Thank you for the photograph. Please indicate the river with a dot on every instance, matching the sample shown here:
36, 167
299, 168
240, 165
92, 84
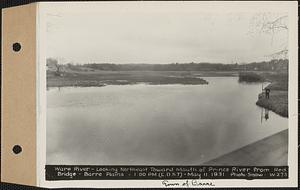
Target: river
155, 124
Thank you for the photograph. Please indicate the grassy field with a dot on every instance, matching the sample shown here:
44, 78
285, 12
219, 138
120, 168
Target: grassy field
102, 78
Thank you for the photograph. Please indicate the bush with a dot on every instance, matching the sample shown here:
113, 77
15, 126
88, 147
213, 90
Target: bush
250, 77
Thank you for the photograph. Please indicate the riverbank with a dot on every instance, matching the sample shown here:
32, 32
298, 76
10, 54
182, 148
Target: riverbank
270, 151
278, 97
278, 102
102, 78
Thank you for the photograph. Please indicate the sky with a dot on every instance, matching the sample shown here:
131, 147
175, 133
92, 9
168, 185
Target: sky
156, 34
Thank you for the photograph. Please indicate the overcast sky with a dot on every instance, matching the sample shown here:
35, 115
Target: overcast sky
159, 34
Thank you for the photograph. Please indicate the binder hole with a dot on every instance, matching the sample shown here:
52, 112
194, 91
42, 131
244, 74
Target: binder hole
17, 149
16, 47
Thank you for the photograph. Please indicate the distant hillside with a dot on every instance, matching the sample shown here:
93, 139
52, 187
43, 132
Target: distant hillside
273, 65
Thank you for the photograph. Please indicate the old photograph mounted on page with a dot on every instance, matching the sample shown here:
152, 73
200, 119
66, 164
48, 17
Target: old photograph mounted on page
168, 94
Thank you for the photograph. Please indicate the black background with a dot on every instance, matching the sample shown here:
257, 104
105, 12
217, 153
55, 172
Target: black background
7, 186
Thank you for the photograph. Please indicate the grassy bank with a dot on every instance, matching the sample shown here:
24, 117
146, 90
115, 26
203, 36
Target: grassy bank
102, 78
278, 101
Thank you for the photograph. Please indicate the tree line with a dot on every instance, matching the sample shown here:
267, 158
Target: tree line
275, 64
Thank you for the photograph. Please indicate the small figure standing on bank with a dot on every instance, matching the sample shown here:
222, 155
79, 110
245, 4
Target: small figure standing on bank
267, 93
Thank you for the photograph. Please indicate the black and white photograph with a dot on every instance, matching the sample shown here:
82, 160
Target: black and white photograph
166, 84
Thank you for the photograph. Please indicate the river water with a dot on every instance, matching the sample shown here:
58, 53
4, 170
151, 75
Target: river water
155, 124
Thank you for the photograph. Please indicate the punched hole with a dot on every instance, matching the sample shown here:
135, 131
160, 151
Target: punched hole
17, 149
16, 47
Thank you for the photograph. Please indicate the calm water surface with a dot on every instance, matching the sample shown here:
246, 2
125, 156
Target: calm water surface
155, 124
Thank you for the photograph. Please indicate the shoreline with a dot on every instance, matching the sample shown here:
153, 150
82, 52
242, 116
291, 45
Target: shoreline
278, 100
269, 151
278, 90
122, 78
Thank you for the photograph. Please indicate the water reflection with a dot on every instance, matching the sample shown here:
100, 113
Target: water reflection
264, 114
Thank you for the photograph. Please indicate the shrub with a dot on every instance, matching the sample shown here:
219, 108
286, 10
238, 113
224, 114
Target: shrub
250, 77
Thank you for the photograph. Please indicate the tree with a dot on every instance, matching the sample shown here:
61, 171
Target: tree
51, 62
272, 24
